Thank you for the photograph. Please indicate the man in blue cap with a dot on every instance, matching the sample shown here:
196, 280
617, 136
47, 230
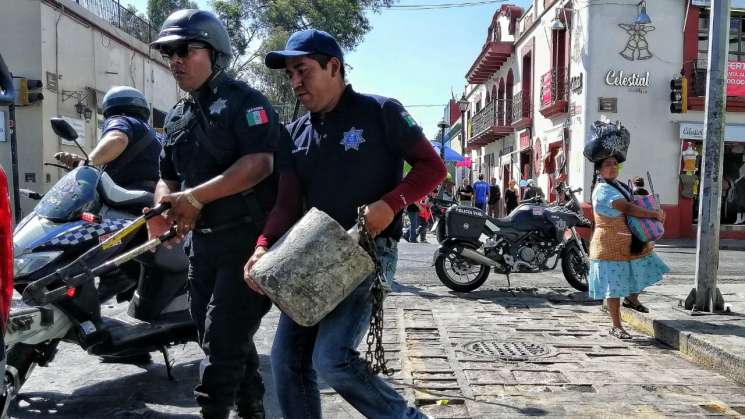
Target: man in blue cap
347, 152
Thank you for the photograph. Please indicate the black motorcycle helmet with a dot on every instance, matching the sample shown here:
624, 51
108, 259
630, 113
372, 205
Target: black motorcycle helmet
197, 25
125, 100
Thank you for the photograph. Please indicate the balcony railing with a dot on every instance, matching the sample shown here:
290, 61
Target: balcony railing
496, 114
485, 119
520, 107
115, 14
554, 91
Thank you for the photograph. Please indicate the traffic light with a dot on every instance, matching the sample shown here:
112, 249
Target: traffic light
28, 91
679, 95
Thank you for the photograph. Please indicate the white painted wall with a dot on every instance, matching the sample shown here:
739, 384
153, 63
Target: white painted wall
93, 56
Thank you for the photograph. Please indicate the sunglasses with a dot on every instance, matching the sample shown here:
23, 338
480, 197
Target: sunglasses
181, 50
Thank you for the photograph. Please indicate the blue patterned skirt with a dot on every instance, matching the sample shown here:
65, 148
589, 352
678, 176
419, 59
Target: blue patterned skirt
612, 279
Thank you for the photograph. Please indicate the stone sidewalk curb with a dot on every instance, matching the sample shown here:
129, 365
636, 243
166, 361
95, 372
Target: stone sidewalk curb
694, 345
724, 244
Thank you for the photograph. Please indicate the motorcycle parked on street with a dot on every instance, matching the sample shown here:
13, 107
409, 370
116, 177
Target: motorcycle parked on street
81, 246
533, 238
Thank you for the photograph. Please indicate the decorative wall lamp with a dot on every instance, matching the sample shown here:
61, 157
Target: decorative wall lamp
643, 18
81, 108
556, 24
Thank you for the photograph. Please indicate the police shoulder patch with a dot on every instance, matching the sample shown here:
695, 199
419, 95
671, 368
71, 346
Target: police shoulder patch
257, 116
409, 120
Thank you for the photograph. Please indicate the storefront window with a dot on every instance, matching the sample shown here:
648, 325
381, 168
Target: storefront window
736, 38
733, 179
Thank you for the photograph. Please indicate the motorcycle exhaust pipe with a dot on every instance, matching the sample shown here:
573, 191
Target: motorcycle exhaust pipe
477, 257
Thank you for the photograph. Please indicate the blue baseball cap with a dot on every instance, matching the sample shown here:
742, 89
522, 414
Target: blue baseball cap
309, 41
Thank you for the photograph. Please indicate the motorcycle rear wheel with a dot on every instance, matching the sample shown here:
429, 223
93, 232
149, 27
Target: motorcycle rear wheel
451, 267
575, 270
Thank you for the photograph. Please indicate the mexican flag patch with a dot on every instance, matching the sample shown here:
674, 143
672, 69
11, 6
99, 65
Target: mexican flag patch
256, 116
409, 120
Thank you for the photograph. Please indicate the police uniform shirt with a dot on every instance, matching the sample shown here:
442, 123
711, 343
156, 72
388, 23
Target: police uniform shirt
351, 156
236, 120
142, 169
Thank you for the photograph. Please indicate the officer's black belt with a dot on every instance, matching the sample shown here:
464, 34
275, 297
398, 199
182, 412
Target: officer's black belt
223, 227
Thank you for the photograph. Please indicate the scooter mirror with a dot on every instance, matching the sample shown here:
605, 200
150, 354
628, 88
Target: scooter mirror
28, 193
63, 129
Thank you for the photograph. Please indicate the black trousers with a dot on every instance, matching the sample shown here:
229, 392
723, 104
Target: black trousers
228, 314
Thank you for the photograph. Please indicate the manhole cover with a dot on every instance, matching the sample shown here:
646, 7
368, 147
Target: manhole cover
511, 351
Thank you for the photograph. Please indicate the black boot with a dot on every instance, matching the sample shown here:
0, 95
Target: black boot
253, 409
215, 413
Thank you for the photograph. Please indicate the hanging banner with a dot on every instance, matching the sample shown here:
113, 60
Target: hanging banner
735, 78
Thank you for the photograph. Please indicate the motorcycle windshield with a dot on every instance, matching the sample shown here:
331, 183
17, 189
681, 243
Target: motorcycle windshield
73, 195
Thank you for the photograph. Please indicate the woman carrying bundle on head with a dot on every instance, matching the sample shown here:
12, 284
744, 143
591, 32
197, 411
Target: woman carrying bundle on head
621, 265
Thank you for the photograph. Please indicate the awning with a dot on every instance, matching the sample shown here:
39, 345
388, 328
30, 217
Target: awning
450, 154
695, 131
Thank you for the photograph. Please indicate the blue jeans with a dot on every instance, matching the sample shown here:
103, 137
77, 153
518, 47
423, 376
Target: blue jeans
301, 354
413, 226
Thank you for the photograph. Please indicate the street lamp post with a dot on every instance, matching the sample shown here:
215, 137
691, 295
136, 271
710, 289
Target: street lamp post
442, 125
463, 107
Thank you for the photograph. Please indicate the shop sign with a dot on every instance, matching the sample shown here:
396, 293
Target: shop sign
695, 131
524, 140
637, 46
735, 78
608, 104
575, 83
622, 79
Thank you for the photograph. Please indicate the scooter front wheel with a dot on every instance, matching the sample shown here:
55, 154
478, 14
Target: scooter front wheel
458, 273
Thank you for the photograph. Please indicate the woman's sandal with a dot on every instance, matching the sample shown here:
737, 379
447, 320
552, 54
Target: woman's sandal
619, 333
635, 306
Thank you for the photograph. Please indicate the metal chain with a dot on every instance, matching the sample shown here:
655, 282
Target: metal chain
375, 355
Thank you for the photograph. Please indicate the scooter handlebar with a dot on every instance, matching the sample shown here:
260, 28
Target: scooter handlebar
158, 210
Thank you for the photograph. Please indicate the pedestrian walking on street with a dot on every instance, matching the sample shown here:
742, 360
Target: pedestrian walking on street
510, 198
425, 217
412, 211
480, 193
364, 140
495, 195
216, 171
465, 193
621, 266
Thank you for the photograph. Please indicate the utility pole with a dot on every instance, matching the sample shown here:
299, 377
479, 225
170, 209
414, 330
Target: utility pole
706, 297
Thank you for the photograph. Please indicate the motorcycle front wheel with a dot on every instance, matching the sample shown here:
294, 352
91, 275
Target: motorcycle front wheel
575, 270
458, 273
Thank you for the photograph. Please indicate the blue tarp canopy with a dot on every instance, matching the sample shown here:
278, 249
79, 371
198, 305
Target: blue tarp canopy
450, 154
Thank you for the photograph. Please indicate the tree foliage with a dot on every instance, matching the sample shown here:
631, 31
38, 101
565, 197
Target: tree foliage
259, 26
158, 10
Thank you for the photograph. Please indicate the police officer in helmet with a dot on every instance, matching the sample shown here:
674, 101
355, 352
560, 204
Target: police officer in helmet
216, 171
128, 145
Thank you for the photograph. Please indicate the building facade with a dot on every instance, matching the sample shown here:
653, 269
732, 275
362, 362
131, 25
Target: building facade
546, 73
78, 49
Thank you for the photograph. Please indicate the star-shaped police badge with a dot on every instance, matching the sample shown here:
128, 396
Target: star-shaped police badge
217, 106
352, 139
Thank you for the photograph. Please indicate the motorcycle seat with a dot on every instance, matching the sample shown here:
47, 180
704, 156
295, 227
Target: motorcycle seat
502, 222
116, 196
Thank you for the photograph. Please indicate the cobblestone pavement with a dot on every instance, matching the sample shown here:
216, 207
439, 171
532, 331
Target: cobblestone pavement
537, 349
